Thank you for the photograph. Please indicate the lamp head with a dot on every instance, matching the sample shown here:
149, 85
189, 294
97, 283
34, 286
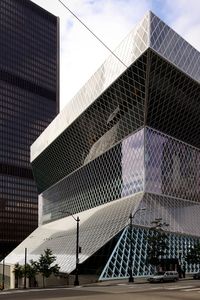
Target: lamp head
143, 208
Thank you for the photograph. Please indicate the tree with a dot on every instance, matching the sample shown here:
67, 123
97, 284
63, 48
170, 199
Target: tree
44, 265
18, 271
31, 272
157, 243
193, 256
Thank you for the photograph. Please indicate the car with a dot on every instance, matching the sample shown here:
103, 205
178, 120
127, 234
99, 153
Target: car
164, 276
196, 275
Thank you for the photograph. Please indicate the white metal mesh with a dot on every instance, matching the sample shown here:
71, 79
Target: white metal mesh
97, 226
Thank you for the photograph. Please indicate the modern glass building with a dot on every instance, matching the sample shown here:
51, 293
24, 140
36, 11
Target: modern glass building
28, 103
129, 139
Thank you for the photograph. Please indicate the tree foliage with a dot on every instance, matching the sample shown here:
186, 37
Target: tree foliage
193, 256
19, 272
157, 243
31, 272
44, 264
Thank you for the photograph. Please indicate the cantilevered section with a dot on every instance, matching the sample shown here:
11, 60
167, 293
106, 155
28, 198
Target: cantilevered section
150, 85
170, 45
117, 101
150, 33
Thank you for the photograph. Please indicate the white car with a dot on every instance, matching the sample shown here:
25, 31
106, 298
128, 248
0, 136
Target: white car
164, 276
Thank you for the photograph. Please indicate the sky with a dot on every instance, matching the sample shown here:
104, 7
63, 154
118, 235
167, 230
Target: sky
111, 20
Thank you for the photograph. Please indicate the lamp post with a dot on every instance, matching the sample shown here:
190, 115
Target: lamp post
76, 281
131, 278
180, 263
25, 266
3, 275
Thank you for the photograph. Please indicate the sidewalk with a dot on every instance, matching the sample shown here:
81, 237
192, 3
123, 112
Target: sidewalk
137, 280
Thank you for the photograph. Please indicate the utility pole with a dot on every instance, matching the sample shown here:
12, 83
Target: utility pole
25, 263
76, 282
3, 275
131, 279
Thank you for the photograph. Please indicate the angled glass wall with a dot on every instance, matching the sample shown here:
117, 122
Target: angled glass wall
173, 101
165, 41
118, 112
117, 173
117, 266
171, 166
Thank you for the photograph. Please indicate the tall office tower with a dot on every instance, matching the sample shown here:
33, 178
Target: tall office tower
128, 140
28, 103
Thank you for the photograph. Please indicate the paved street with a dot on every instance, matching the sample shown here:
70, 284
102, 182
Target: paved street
189, 289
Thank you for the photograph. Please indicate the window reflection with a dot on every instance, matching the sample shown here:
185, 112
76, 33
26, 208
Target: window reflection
172, 167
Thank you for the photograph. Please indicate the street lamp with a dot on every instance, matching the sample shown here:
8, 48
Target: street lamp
3, 275
180, 252
76, 281
25, 266
131, 279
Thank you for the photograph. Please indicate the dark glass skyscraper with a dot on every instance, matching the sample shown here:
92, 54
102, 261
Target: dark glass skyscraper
28, 103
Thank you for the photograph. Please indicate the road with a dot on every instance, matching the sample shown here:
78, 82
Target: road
189, 289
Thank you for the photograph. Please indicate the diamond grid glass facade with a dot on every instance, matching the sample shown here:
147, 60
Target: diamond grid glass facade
133, 142
108, 120
172, 167
165, 41
173, 104
117, 173
28, 103
118, 263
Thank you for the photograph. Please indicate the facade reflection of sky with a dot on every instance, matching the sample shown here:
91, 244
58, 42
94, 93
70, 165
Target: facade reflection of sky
133, 164
172, 167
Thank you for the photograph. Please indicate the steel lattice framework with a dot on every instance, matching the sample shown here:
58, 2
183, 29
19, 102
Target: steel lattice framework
118, 263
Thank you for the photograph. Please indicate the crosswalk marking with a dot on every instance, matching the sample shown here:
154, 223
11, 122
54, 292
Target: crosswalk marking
189, 290
27, 291
179, 287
